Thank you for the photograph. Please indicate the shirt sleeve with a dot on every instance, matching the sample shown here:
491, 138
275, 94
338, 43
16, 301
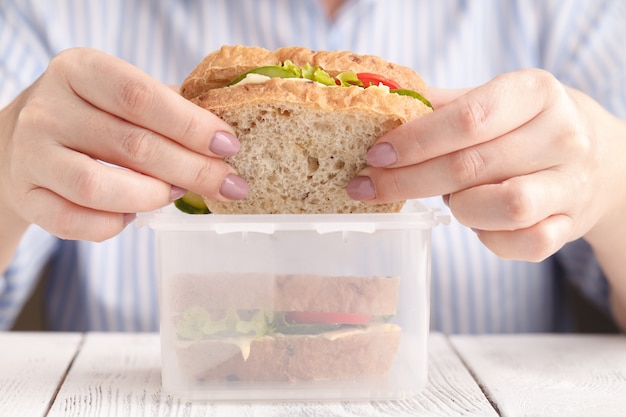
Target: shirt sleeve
593, 58
579, 265
24, 50
586, 51
23, 57
20, 278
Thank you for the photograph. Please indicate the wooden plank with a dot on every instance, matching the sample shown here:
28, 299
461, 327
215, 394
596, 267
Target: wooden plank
32, 367
114, 374
119, 374
550, 375
451, 389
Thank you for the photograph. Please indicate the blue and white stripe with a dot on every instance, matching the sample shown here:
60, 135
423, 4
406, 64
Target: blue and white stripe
452, 43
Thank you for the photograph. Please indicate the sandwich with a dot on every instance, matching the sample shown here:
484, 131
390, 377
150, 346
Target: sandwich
305, 121
263, 327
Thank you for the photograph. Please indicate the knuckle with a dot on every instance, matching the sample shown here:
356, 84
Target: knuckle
190, 128
574, 138
61, 62
89, 185
519, 204
473, 116
203, 174
35, 113
138, 145
533, 78
575, 141
205, 177
536, 75
68, 61
394, 188
419, 151
135, 97
541, 83
466, 167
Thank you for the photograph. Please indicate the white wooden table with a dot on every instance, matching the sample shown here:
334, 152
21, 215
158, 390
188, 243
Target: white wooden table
114, 374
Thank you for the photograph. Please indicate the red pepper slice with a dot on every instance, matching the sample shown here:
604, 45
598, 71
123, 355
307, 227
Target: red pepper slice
369, 79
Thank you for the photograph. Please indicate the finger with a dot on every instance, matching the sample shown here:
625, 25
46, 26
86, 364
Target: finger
116, 141
486, 163
534, 243
517, 203
439, 97
90, 183
482, 114
67, 220
125, 91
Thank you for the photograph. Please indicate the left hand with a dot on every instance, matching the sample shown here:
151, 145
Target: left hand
526, 162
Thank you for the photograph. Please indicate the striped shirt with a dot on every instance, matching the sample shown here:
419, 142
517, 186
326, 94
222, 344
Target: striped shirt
452, 43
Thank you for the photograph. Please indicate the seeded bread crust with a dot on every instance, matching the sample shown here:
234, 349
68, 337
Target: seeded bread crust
221, 67
301, 142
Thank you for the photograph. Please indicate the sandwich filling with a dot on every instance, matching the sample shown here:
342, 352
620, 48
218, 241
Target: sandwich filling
316, 74
241, 327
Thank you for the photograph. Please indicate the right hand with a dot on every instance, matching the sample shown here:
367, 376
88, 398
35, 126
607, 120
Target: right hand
95, 140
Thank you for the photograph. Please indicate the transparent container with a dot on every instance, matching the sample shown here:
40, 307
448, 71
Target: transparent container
294, 307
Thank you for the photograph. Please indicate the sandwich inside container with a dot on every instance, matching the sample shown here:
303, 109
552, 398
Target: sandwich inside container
230, 286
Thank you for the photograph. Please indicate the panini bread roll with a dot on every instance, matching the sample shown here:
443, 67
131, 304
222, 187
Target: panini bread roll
303, 139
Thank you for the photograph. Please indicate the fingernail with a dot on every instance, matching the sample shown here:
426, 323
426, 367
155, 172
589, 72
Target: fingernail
129, 218
224, 144
382, 155
176, 193
234, 187
361, 188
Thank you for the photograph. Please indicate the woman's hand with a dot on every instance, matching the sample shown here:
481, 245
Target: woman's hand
526, 162
95, 140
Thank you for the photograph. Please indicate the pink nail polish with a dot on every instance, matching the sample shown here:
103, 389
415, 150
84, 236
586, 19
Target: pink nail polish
234, 187
129, 218
382, 155
224, 144
176, 193
361, 188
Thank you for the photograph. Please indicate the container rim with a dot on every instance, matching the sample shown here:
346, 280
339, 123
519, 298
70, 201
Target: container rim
414, 215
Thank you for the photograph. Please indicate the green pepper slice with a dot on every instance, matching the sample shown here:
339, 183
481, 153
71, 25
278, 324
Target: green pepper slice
191, 203
413, 94
272, 71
